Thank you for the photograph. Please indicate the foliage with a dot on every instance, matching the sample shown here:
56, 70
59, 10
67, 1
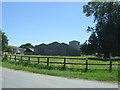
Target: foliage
91, 46
4, 41
84, 48
93, 43
91, 75
0, 42
60, 66
107, 18
57, 70
9, 49
5, 58
26, 46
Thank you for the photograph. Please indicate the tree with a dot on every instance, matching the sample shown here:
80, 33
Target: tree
84, 48
93, 44
9, 49
0, 42
3, 41
26, 46
107, 17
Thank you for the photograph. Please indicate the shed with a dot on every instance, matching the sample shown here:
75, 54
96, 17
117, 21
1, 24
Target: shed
29, 51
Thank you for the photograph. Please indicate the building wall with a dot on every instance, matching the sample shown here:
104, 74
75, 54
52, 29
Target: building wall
18, 50
55, 48
29, 51
75, 45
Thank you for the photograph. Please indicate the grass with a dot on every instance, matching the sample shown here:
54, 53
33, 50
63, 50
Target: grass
114, 67
58, 71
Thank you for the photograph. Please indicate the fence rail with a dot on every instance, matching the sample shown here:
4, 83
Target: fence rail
48, 62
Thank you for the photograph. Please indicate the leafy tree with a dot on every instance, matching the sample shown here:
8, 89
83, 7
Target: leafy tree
107, 17
0, 42
27, 45
84, 48
9, 49
93, 44
3, 41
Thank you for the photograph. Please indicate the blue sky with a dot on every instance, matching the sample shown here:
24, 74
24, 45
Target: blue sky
44, 22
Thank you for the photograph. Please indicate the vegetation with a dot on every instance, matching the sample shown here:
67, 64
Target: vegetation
0, 42
26, 46
5, 58
9, 49
103, 40
4, 41
59, 62
58, 71
105, 35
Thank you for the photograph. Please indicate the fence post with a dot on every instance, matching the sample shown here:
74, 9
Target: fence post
110, 69
10, 57
38, 60
21, 58
86, 65
15, 57
47, 61
28, 59
64, 63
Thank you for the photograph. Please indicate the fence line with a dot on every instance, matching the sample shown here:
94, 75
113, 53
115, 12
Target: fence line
64, 61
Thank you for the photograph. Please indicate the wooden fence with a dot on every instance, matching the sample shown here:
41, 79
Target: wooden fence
39, 61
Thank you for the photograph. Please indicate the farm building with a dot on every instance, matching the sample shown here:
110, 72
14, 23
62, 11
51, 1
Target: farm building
29, 51
56, 48
17, 50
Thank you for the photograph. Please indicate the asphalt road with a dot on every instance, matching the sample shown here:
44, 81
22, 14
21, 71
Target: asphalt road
21, 79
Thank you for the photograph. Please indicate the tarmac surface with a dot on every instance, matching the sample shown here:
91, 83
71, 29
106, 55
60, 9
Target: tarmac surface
21, 79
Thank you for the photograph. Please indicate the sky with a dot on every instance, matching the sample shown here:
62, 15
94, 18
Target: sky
0, 15
45, 22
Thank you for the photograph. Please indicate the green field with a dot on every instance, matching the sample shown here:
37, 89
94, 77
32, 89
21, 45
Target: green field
74, 66
58, 70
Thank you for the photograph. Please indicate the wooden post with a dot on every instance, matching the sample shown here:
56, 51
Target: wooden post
64, 63
28, 59
15, 57
38, 60
47, 61
110, 69
21, 58
10, 57
86, 66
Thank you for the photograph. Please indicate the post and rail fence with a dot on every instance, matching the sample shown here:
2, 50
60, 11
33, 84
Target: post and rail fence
38, 60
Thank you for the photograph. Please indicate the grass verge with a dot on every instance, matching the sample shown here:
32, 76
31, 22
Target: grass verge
90, 75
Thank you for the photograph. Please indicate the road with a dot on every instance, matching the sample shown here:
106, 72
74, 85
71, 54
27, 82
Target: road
21, 79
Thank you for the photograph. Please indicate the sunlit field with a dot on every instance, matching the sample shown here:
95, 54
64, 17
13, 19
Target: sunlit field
70, 63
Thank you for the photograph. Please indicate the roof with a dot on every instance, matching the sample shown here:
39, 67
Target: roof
29, 50
17, 48
75, 41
